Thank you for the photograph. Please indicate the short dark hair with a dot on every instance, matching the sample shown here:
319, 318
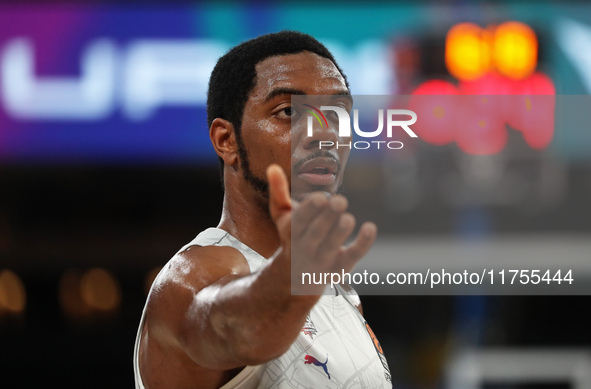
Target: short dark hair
234, 75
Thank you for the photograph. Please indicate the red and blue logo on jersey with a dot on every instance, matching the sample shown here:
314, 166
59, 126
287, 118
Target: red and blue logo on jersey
310, 360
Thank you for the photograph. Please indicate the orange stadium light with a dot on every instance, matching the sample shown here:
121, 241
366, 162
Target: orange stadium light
100, 290
511, 49
515, 50
467, 51
498, 86
13, 297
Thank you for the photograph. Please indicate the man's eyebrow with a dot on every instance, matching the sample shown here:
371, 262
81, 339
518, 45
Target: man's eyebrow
343, 93
290, 91
283, 91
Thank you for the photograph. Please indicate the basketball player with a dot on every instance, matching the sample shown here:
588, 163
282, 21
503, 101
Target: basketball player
221, 313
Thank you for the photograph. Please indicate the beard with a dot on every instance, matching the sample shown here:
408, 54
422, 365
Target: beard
260, 185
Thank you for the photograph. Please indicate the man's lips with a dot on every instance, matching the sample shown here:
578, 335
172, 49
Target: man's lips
320, 171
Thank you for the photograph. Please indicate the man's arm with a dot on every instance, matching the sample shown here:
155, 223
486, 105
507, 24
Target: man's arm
208, 305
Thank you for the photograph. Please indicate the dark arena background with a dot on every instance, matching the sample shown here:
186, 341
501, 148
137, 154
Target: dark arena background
106, 170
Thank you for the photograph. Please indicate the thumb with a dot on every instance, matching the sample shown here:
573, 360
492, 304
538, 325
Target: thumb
279, 197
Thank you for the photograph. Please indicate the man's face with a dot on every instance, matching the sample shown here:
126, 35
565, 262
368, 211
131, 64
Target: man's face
267, 134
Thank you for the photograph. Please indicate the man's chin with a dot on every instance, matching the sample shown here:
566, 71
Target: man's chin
301, 195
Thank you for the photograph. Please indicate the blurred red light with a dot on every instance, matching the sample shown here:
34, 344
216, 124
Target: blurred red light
436, 112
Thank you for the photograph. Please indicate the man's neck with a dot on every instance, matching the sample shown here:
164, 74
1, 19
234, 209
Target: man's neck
248, 220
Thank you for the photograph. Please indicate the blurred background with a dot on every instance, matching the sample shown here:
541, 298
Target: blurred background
106, 170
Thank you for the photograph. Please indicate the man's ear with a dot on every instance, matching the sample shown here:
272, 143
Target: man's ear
223, 138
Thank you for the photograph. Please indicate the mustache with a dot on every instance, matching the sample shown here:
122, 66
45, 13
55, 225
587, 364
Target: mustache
316, 154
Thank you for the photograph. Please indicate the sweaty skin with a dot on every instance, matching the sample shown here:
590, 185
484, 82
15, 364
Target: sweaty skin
207, 315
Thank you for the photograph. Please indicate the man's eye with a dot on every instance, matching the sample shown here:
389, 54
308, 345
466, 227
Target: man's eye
287, 112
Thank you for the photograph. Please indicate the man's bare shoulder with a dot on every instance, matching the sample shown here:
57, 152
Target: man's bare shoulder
200, 266
211, 262
185, 275
175, 311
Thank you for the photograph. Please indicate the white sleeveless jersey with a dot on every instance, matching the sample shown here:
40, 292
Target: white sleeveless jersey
335, 348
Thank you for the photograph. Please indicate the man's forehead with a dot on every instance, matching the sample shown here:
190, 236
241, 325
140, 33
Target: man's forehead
282, 69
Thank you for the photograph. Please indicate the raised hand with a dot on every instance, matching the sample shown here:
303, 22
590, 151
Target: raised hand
314, 232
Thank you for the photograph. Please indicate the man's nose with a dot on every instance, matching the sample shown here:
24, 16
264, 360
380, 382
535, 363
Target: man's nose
327, 135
